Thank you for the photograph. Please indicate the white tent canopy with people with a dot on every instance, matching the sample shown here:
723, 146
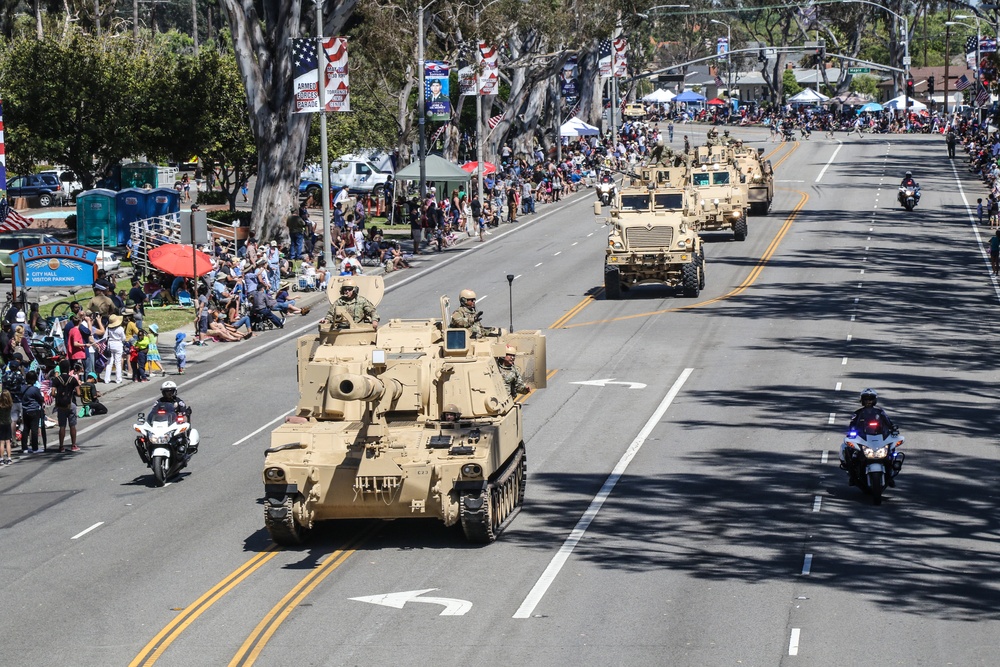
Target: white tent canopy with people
659, 96
575, 127
808, 96
898, 102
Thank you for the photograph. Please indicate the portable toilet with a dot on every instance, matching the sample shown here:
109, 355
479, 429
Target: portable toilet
96, 218
162, 201
132, 204
139, 175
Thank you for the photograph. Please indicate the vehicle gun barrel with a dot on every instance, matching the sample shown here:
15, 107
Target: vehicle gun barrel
354, 387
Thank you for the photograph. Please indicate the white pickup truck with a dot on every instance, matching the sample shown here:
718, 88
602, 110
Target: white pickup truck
358, 175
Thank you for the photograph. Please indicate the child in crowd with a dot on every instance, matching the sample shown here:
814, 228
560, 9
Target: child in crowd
138, 357
180, 354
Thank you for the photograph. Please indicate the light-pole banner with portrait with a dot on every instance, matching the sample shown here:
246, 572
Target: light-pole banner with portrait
621, 57
721, 46
567, 80
488, 63
436, 90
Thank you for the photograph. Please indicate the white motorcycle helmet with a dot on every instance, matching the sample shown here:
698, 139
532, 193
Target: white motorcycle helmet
169, 391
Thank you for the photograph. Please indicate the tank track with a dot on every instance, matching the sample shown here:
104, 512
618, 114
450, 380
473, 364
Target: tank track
500, 502
282, 529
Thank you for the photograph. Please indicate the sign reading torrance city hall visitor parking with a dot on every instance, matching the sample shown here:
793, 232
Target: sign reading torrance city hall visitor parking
54, 265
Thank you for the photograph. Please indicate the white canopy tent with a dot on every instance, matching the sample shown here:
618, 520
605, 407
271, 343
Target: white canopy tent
575, 127
897, 103
659, 96
808, 96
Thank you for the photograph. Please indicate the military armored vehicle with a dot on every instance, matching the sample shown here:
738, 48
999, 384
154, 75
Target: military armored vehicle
652, 238
721, 191
412, 420
759, 176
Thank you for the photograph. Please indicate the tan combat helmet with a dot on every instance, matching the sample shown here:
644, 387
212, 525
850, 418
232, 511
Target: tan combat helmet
466, 295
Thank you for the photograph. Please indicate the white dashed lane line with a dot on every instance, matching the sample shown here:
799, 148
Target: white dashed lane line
825, 457
84, 532
843, 362
832, 418
573, 243
817, 503
849, 338
557, 254
538, 265
839, 385
807, 564
517, 276
793, 642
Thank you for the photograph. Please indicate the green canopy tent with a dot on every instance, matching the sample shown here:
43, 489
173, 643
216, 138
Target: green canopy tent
441, 173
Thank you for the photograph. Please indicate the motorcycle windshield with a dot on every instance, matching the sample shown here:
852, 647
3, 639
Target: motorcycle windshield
162, 412
871, 422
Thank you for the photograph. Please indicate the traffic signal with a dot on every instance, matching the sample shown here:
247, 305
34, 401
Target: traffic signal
930, 85
909, 86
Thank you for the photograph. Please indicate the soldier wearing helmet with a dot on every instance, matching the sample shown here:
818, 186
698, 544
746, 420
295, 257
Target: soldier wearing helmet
511, 373
451, 413
357, 307
466, 317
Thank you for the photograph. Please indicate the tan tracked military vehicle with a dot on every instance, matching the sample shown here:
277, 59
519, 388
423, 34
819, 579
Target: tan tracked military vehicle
759, 176
652, 238
720, 191
413, 420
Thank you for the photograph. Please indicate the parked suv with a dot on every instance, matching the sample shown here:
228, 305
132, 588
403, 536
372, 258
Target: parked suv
45, 188
12, 241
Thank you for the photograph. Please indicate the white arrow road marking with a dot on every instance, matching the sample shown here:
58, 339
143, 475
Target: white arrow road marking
606, 381
452, 606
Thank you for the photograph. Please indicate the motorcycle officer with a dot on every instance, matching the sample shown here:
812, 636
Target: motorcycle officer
908, 182
867, 412
168, 394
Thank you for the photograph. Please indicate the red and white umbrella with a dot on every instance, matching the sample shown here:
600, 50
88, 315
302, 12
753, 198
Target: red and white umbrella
488, 167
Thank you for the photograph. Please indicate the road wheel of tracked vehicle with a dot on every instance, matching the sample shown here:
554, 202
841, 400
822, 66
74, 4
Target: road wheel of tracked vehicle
612, 283
280, 523
485, 515
875, 486
159, 466
690, 280
740, 229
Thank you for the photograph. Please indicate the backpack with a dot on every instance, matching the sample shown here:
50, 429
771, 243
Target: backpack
13, 382
64, 391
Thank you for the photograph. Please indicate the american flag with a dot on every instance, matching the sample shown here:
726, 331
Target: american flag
970, 45
962, 83
495, 120
983, 97
10, 220
718, 80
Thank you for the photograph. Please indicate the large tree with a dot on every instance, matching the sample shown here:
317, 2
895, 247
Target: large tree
262, 33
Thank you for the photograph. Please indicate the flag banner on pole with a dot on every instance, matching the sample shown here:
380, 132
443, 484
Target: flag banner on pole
306, 82
987, 45
335, 79
495, 120
604, 57
467, 81
338, 89
10, 220
488, 63
962, 82
718, 81
721, 46
970, 52
620, 57
567, 80
436, 93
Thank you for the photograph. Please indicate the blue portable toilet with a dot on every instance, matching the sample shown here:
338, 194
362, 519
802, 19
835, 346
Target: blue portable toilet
96, 213
132, 204
162, 201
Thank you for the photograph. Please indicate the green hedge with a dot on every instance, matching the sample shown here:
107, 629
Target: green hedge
212, 197
228, 217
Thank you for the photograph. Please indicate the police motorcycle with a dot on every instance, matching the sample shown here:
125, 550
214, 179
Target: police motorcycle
870, 453
909, 193
166, 441
606, 188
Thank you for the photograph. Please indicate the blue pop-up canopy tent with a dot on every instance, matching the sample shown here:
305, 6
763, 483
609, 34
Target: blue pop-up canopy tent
689, 96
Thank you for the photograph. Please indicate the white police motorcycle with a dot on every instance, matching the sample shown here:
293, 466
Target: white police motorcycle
166, 441
870, 455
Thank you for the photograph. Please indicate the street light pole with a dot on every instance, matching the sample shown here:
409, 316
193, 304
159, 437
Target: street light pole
729, 58
422, 156
979, 38
324, 157
906, 49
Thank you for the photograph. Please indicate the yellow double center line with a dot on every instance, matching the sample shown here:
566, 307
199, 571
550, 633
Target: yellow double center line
254, 644
155, 648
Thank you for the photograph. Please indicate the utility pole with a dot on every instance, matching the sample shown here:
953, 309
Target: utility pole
324, 157
135, 19
947, 60
421, 103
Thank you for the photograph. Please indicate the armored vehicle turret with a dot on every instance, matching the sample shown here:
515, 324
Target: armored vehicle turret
412, 420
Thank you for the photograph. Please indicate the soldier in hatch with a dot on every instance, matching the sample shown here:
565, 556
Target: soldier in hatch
466, 317
358, 308
511, 373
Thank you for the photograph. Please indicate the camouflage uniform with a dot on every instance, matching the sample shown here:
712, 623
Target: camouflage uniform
359, 308
465, 318
512, 378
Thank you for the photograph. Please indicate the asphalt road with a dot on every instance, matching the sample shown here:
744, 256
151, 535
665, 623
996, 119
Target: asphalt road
693, 514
